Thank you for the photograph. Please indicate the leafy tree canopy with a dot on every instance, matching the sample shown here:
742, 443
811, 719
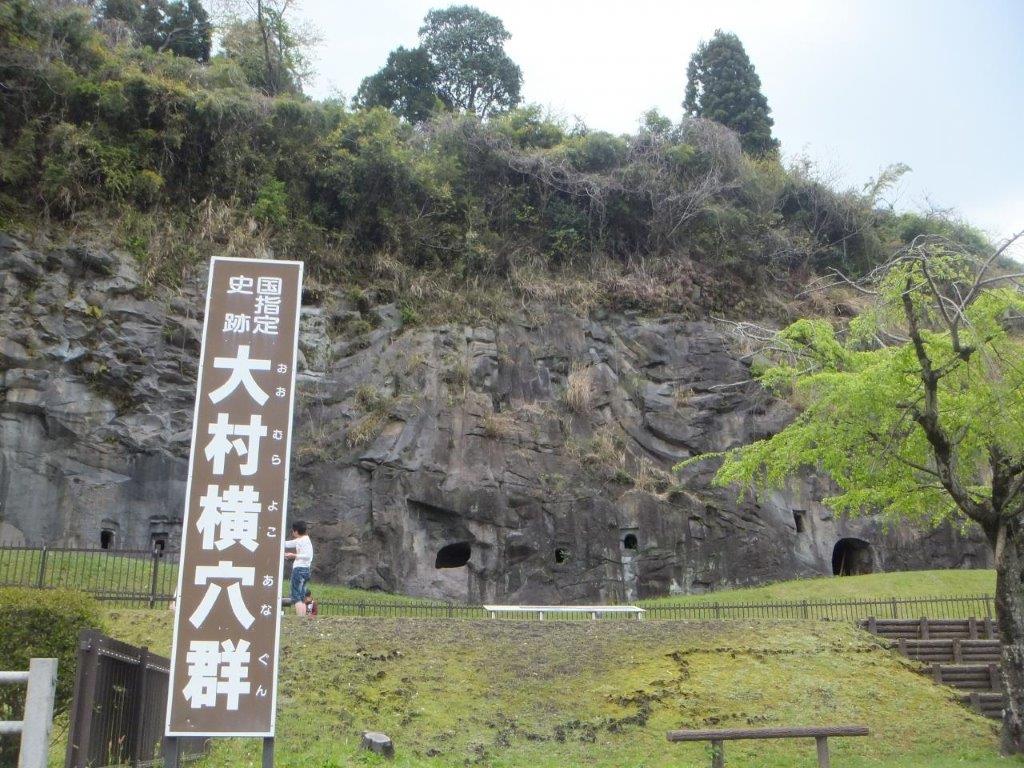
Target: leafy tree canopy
467, 47
916, 411
460, 64
723, 86
180, 26
406, 85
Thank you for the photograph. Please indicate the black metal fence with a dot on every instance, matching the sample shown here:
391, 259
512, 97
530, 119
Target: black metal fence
120, 700
149, 578
947, 607
126, 576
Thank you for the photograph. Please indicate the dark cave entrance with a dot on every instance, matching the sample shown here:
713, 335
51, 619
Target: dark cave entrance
852, 557
106, 539
800, 520
453, 555
630, 541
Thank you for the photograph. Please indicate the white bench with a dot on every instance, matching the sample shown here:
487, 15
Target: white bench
540, 610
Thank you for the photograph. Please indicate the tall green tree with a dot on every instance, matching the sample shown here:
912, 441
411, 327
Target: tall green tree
180, 26
407, 85
723, 86
467, 47
916, 411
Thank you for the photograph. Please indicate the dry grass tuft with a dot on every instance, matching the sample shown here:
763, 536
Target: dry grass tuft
498, 426
579, 389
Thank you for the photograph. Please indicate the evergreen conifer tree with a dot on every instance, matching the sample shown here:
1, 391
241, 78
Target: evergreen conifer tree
723, 86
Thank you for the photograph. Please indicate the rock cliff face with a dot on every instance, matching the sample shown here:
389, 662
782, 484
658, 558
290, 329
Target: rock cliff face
524, 461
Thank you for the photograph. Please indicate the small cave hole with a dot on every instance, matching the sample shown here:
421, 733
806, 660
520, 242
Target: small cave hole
561, 555
106, 539
453, 555
159, 542
630, 542
800, 520
852, 557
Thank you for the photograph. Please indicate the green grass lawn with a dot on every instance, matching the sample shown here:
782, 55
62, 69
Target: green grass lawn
900, 584
526, 694
93, 571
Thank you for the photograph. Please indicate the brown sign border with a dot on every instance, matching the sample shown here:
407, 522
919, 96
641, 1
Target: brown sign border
186, 521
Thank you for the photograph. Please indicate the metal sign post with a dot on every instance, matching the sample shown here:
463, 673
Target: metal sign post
223, 678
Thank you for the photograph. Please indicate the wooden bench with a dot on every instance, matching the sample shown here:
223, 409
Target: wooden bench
540, 610
820, 735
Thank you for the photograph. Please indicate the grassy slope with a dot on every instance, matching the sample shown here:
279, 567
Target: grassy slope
906, 584
592, 694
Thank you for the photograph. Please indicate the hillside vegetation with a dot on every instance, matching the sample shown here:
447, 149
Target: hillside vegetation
174, 159
592, 694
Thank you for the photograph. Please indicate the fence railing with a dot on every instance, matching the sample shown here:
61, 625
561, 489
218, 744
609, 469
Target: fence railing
149, 578
37, 718
947, 607
117, 712
127, 576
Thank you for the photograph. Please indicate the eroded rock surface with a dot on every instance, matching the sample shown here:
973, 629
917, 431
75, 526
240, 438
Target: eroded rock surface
530, 459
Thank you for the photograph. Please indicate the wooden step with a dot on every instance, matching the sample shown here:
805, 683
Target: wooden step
969, 677
932, 629
986, 704
951, 651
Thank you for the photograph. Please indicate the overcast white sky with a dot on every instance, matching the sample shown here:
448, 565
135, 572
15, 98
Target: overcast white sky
936, 84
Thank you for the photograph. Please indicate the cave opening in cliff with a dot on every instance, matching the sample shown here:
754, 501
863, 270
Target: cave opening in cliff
453, 555
106, 539
800, 520
630, 541
561, 555
851, 557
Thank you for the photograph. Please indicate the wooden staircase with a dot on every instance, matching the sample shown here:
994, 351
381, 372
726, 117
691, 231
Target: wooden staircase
962, 653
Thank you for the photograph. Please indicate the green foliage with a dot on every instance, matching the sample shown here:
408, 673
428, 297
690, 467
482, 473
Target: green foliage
42, 623
406, 86
723, 86
863, 404
163, 145
180, 26
271, 206
467, 48
270, 48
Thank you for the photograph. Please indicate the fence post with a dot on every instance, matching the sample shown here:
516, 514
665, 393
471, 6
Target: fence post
42, 568
35, 731
988, 606
892, 601
806, 611
80, 727
140, 715
152, 581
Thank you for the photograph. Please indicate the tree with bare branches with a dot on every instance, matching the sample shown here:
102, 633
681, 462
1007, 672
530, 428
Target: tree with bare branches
915, 410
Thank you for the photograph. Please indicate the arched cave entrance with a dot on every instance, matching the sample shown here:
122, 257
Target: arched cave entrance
561, 555
106, 539
453, 555
630, 541
851, 557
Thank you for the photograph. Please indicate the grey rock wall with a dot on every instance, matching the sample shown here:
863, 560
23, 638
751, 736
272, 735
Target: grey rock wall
532, 457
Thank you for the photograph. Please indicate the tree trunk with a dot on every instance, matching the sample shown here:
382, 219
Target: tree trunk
1009, 552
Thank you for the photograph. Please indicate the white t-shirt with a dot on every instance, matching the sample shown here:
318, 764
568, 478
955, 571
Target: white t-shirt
303, 551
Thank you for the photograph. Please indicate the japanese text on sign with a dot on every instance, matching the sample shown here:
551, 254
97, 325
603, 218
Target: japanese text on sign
224, 661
